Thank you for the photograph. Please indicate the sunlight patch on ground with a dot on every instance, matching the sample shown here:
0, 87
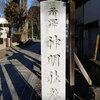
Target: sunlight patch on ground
10, 85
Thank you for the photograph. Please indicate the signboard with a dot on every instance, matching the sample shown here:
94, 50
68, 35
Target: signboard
53, 50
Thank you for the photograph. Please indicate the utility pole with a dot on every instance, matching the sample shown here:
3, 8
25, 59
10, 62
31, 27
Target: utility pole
97, 42
72, 41
32, 31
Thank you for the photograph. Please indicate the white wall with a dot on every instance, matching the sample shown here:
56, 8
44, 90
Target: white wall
3, 46
5, 30
3, 21
91, 11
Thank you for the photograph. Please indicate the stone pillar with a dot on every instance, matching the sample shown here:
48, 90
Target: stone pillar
53, 50
8, 42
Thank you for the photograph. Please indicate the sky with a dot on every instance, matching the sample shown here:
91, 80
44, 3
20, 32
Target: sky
29, 3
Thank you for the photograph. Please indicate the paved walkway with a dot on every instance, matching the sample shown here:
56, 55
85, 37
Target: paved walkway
20, 74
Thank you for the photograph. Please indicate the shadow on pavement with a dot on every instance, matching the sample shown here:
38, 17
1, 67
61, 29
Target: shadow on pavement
29, 46
26, 62
17, 81
4, 89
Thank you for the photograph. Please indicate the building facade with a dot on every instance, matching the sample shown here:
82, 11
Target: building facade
87, 28
91, 26
4, 29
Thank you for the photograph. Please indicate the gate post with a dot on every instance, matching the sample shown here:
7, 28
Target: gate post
53, 49
72, 41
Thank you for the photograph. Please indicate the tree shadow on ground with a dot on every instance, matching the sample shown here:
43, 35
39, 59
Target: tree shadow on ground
26, 62
22, 87
28, 56
17, 79
4, 89
29, 47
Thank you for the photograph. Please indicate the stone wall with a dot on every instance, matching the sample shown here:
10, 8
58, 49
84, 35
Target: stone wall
3, 45
7, 43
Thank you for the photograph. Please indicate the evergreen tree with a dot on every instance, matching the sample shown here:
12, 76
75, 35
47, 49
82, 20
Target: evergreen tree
34, 15
16, 14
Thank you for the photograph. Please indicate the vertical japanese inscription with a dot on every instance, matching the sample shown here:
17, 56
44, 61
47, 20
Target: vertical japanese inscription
54, 94
53, 22
53, 77
53, 59
53, 50
54, 41
53, 11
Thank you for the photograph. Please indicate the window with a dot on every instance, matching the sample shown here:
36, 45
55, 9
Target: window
0, 25
1, 41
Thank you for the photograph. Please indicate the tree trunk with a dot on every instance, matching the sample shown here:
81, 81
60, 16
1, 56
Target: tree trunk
24, 33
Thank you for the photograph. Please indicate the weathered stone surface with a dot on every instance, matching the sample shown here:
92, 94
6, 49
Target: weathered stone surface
96, 91
53, 49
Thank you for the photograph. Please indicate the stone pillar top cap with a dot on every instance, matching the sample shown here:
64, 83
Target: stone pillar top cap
51, 0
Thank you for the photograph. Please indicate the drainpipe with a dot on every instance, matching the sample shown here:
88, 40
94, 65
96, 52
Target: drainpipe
97, 42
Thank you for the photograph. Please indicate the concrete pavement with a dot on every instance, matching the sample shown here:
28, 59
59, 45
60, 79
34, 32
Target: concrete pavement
20, 74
